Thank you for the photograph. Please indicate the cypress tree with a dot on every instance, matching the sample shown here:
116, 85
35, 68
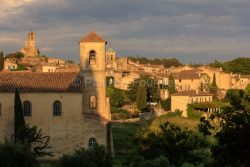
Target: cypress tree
19, 127
1, 60
171, 84
214, 88
214, 81
141, 98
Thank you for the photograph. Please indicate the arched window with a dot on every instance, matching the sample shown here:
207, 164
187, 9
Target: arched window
57, 108
92, 102
92, 143
27, 109
92, 57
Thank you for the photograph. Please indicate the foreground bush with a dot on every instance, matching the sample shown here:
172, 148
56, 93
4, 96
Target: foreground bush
96, 157
16, 155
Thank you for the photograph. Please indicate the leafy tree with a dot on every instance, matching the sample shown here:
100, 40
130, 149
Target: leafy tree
166, 62
16, 55
239, 65
230, 127
1, 61
16, 155
171, 84
139, 161
141, 97
116, 97
151, 87
87, 158
166, 104
179, 145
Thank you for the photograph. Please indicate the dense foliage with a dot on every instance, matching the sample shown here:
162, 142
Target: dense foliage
239, 65
232, 130
116, 97
139, 161
171, 84
166, 104
1, 60
178, 145
166, 62
87, 158
141, 98
16, 155
16, 55
150, 85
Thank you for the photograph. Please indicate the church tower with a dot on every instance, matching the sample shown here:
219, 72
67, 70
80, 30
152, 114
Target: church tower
29, 49
93, 72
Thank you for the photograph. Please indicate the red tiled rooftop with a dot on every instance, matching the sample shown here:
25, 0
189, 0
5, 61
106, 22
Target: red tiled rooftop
192, 93
92, 37
39, 82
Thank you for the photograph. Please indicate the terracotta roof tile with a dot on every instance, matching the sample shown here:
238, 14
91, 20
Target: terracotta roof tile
192, 93
39, 82
187, 74
92, 37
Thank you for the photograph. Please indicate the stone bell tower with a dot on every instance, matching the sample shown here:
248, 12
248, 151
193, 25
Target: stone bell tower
29, 49
93, 72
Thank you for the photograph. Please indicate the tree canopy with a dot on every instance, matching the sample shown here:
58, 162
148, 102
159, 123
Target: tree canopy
239, 65
230, 127
166, 62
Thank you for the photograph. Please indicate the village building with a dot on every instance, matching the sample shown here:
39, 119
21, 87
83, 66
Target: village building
180, 100
70, 107
191, 80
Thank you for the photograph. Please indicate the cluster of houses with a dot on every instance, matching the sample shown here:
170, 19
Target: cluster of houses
192, 84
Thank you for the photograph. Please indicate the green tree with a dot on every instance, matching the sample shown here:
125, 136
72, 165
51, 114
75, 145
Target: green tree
178, 145
166, 104
139, 161
116, 97
16, 155
213, 88
151, 87
1, 60
87, 158
171, 84
141, 97
230, 127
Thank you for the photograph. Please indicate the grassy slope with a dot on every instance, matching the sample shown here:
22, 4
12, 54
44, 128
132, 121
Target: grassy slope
124, 133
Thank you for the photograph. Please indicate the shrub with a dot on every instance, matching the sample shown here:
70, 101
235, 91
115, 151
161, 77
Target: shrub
16, 155
87, 158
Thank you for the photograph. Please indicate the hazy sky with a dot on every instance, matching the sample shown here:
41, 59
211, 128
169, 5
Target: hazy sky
190, 30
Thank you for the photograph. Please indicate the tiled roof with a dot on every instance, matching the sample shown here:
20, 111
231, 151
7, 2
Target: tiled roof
192, 93
39, 82
92, 37
187, 74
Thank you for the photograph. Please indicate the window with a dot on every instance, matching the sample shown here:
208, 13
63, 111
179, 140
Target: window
92, 102
92, 57
179, 80
27, 109
57, 108
92, 143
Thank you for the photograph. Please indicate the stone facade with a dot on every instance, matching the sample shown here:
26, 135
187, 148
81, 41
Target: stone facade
29, 49
180, 100
85, 110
